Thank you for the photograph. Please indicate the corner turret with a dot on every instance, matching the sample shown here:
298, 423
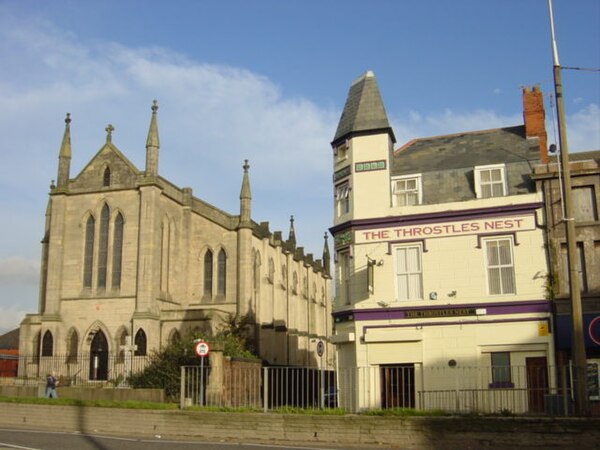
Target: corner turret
362, 148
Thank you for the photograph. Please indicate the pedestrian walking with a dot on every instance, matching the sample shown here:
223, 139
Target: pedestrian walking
51, 383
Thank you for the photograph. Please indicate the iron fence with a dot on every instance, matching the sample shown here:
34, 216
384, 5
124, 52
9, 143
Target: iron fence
531, 389
527, 389
81, 370
258, 387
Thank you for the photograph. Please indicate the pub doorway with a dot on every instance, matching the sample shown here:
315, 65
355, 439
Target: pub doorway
398, 386
537, 382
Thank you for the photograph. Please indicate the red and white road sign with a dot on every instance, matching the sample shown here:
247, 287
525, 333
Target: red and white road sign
202, 348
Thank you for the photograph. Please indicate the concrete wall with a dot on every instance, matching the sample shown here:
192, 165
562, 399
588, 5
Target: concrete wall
80, 393
347, 431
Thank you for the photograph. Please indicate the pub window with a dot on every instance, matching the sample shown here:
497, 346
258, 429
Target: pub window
490, 181
407, 190
500, 266
342, 198
501, 373
344, 277
409, 273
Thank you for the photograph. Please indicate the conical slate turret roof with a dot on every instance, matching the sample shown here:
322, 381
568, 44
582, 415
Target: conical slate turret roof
363, 111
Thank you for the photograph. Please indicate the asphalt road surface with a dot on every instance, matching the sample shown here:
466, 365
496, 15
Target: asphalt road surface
45, 440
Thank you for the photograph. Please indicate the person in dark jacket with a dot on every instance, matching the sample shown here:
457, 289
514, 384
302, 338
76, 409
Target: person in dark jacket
51, 383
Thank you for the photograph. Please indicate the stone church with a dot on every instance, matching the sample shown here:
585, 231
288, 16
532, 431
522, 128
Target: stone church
127, 256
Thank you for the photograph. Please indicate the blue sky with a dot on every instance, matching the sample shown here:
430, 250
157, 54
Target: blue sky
264, 81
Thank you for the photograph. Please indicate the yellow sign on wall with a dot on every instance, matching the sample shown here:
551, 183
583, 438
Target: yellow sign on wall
543, 329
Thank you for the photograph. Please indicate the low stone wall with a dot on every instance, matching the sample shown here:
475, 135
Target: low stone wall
345, 431
86, 393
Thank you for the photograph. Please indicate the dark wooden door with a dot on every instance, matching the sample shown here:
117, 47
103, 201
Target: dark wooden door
537, 382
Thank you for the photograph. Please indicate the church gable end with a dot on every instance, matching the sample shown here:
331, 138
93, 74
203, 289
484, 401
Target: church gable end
108, 169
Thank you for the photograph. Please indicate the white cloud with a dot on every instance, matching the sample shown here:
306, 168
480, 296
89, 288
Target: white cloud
10, 318
19, 271
583, 129
416, 125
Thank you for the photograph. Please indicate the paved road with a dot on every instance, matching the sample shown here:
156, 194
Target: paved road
44, 440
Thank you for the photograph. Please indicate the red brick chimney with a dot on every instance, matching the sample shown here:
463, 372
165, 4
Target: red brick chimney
534, 118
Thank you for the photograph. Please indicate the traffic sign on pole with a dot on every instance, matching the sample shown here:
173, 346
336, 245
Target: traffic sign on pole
202, 349
320, 348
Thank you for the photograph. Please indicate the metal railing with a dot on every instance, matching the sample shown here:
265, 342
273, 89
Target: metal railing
527, 389
81, 370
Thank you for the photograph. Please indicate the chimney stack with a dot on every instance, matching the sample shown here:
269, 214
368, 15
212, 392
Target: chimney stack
534, 118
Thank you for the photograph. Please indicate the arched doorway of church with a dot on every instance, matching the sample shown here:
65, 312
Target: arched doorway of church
99, 357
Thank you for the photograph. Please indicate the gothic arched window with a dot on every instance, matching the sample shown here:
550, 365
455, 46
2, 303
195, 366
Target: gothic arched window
165, 256
174, 337
271, 274
208, 272
73, 344
88, 258
117, 252
106, 177
221, 272
295, 283
122, 342
140, 343
103, 247
284, 276
47, 344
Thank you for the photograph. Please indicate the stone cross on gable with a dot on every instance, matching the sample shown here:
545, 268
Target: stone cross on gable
109, 129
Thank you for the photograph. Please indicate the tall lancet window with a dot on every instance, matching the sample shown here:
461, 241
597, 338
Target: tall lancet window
88, 258
106, 177
222, 270
140, 343
117, 252
47, 344
165, 256
103, 247
208, 272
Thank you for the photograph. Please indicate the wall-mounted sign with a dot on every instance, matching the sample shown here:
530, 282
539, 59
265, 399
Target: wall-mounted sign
422, 231
429, 313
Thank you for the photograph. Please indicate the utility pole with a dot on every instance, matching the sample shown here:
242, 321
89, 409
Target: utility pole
578, 356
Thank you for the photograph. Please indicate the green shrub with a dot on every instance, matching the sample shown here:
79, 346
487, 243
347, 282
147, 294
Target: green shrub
164, 369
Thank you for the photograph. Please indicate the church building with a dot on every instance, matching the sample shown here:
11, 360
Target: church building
130, 258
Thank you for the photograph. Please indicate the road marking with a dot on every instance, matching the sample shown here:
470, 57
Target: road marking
4, 445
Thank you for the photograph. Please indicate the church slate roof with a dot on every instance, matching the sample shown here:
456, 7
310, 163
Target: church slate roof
363, 111
469, 149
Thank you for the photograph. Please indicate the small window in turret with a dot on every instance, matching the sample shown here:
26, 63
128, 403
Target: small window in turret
341, 151
106, 177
